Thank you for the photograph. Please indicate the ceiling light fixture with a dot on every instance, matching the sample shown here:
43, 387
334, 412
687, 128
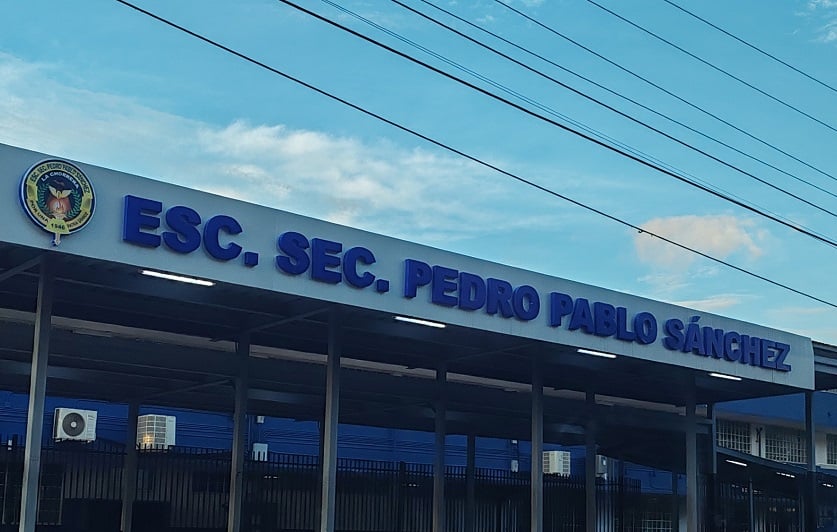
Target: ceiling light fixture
723, 376
178, 278
596, 353
735, 462
426, 323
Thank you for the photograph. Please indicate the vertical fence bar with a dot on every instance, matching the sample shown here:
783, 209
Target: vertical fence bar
536, 487
439, 451
129, 476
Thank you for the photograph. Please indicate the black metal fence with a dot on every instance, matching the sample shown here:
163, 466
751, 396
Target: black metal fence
188, 490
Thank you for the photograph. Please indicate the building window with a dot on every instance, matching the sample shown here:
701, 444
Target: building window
831, 449
734, 435
785, 445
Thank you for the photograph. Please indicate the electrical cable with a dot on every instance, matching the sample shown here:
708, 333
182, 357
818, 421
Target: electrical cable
599, 85
572, 89
750, 45
663, 89
713, 66
467, 156
566, 128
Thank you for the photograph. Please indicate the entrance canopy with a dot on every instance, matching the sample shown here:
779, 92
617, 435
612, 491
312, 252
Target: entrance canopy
122, 335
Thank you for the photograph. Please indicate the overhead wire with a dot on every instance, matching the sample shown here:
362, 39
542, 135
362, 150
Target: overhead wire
663, 89
599, 85
468, 156
750, 45
713, 66
601, 143
573, 90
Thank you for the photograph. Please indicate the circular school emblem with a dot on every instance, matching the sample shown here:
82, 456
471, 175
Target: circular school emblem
58, 197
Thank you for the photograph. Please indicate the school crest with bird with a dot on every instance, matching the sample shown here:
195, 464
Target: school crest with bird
58, 197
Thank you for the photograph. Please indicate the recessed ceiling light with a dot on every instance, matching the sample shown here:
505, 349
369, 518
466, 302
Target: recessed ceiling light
178, 278
596, 353
723, 376
735, 462
426, 323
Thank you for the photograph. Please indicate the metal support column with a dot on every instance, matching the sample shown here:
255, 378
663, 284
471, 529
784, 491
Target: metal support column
590, 458
810, 491
37, 395
691, 464
713, 489
751, 505
129, 477
239, 434
537, 447
332, 408
439, 450
470, 484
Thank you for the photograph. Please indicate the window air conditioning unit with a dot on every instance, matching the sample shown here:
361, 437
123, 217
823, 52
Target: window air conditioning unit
557, 463
74, 424
156, 431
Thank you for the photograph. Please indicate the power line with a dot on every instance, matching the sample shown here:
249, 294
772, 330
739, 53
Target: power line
750, 45
662, 89
467, 156
713, 66
603, 87
566, 128
575, 91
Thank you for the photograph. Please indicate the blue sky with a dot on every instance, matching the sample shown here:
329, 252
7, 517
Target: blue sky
98, 82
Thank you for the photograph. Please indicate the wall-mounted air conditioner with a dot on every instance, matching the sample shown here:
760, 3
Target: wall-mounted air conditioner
156, 431
557, 463
74, 424
259, 452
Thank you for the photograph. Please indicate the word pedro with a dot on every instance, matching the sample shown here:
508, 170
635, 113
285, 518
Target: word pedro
468, 291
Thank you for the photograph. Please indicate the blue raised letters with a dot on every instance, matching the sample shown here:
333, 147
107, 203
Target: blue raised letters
295, 259
604, 319
713, 342
139, 214
582, 318
444, 282
560, 305
750, 350
472, 291
645, 327
416, 274
526, 303
782, 353
674, 338
350, 260
211, 237
622, 331
323, 257
732, 346
498, 297
184, 236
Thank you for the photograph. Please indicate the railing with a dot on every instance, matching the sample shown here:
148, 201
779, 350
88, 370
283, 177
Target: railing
188, 490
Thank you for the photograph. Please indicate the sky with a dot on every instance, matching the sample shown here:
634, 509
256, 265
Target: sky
101, 83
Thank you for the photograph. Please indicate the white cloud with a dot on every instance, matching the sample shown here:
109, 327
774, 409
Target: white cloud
720, 236
412, 193
713, 303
